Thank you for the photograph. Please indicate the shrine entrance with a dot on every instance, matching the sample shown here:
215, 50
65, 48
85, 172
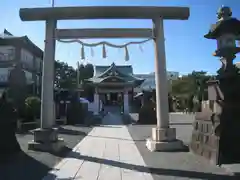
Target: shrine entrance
163, 137
114, 86
112, 98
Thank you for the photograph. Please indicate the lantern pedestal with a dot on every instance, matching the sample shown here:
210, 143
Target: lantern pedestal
229, 116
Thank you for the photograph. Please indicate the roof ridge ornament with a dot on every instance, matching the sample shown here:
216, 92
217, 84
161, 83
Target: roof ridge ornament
224, 13
113, 64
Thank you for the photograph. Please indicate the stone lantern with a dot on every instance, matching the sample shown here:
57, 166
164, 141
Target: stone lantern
226, 31
216, 133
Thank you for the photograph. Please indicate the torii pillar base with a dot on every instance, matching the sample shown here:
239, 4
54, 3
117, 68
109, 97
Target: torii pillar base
46, 140
164, 139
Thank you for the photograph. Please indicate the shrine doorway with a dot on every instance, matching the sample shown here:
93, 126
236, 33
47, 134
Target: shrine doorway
113, 99
113, 102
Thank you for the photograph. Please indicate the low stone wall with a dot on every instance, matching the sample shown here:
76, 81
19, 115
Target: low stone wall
205, 139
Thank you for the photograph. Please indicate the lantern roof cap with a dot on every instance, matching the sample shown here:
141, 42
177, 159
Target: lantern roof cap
224, 13
226, 24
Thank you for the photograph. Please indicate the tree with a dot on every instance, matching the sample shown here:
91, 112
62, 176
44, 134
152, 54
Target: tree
191, 89
33, 107
65, 76
89, 71
85, 72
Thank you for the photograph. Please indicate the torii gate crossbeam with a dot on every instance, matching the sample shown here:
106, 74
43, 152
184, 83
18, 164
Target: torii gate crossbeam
163, 137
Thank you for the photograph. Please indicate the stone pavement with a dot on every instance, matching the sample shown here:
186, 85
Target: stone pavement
108, 152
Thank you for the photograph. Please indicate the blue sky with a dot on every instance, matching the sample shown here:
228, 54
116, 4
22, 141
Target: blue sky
186, 49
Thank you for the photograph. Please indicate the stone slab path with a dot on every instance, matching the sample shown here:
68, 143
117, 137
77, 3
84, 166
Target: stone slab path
108, 152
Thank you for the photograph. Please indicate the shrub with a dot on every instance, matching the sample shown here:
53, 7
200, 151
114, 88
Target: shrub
147, 113
33, 107
76, 111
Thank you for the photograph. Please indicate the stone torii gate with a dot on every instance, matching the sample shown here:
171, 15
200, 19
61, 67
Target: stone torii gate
163, 137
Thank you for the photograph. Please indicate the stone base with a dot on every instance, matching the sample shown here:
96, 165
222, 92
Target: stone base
46, 140
163, 134
164, 139
55, 147
176, 145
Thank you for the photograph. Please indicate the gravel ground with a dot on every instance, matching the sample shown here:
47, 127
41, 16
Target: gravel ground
33, 165
176, 165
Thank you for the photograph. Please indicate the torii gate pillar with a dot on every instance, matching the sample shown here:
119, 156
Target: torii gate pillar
163, 137
46, 137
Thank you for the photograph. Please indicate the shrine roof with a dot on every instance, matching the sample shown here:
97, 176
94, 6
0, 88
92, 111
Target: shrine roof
122, 73
124, 69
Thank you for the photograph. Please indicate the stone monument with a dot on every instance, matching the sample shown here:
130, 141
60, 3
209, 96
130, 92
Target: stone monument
216, 129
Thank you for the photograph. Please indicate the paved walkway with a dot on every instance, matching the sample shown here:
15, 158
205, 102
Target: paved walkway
108, 152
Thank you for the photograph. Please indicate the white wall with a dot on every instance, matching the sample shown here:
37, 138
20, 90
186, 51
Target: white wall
26, 58
180, 116
7, 53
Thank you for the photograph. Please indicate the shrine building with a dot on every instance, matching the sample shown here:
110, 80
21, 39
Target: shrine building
114, 85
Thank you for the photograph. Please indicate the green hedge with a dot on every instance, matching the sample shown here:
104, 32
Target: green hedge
32, 108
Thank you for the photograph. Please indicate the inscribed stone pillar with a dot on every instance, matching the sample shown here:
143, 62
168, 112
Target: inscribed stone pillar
47, 105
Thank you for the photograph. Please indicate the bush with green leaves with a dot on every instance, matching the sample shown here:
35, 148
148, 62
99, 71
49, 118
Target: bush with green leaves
33, 107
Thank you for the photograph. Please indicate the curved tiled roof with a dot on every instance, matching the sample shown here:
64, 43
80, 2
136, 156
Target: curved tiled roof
6, 35
123, 72
125, 69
